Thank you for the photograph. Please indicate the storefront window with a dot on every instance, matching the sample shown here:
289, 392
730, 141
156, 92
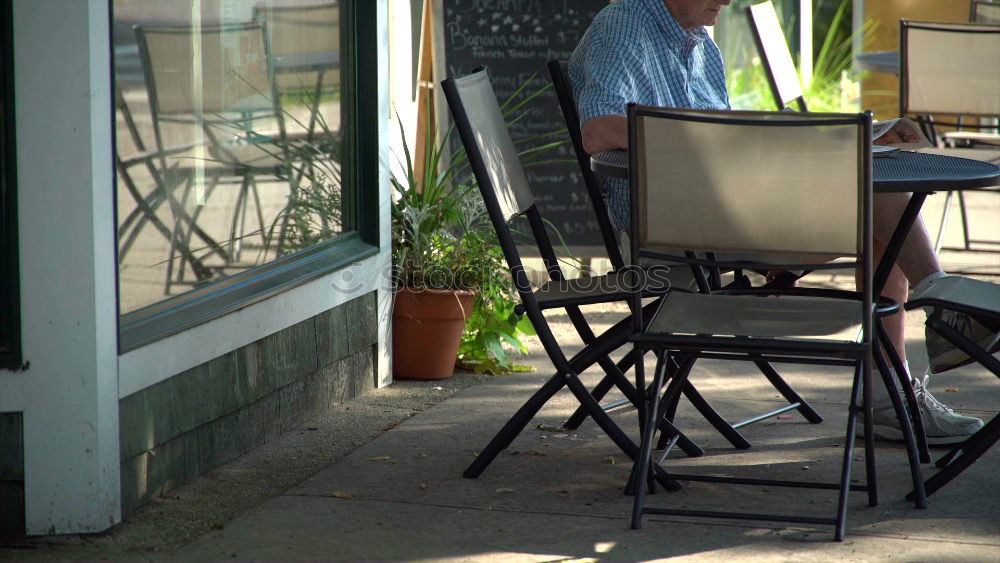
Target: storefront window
236, 146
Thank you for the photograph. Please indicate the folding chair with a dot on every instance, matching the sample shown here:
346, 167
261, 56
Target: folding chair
504, 187
229, 107
981, 301
953, 70
686, 198
559, 73
306, 38
773, 50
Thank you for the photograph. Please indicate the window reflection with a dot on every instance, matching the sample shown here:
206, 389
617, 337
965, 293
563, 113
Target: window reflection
228, 121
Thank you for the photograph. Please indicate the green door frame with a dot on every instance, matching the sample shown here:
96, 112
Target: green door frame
10, 306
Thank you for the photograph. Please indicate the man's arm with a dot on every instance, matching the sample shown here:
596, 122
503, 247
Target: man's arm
605, 133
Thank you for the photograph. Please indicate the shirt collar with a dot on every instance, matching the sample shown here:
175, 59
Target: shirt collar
675, 34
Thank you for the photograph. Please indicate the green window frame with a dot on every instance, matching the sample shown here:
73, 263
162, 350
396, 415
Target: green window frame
359, 63
10, 318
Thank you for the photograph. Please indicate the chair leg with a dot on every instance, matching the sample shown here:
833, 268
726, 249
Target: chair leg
965, 221
239, 211
960, 458
514, 426
912, 448
787, 392
644, 459
939, 241
720, 424
845, 468
580, 415
613, 431
916, 421
668, 404
871, 478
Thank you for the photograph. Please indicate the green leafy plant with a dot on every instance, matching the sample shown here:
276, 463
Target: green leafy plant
833, 86
442, 239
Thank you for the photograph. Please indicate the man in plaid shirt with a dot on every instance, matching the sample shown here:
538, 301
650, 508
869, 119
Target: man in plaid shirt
657, 52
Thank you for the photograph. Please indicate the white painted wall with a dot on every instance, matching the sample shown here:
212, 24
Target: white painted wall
69, 395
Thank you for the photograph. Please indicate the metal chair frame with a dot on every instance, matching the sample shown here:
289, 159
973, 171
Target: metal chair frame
596, 348
929, 122
558, 71
685, 348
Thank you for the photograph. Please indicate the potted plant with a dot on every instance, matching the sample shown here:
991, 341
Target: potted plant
443, 256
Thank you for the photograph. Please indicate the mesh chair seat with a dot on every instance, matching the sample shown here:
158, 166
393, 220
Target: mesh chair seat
787, 317
956, 292
607, 288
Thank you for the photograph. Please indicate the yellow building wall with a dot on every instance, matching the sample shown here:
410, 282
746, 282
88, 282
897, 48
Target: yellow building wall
880, 91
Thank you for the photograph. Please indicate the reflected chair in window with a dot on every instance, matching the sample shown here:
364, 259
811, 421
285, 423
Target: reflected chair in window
981, 301
304, 43
559, 73
684, 200
214, 89
984, 11
950, 75
147, 204
773, 50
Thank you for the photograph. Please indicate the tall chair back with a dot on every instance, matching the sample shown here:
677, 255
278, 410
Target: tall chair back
217, 79
502, 183
718, 193
302, 30
984, 11
559, 72
949, 69
773, 50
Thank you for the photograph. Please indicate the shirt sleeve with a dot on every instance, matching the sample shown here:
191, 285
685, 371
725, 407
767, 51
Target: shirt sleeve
607, 83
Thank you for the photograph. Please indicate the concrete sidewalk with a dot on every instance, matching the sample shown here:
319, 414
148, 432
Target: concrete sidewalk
380, 479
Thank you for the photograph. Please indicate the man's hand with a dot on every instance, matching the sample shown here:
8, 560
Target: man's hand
605, 133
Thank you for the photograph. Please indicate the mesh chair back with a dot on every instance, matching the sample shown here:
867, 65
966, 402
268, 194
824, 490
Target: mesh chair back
219, 69
559, 72
501, 165
951, 69
298, 30
984, 11
773, 49
719, 181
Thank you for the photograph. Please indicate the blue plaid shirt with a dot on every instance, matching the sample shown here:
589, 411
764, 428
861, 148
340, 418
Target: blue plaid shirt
635, 51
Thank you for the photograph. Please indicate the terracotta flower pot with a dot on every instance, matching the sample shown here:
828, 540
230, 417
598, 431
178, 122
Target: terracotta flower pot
427, 329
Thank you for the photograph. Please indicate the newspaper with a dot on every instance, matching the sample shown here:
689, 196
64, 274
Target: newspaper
902, 133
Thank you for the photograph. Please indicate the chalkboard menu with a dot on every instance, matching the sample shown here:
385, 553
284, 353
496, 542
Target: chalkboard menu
514, 39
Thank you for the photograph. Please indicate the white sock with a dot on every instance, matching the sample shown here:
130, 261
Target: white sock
880, 395
925, 283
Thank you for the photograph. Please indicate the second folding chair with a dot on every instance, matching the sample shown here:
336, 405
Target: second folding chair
559, 73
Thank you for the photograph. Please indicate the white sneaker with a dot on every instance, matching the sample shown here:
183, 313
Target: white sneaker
942, 425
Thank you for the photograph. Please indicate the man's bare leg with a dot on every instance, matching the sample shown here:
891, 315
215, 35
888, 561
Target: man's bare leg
916, 263
916, 259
